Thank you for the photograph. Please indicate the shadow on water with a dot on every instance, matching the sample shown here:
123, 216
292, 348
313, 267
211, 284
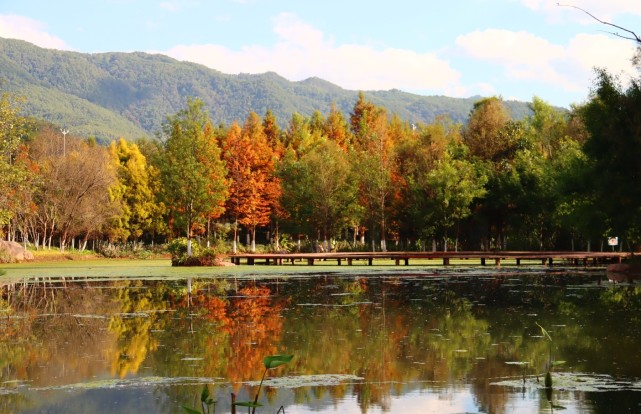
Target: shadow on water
438, 340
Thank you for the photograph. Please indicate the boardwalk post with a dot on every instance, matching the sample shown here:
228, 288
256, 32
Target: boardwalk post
482, 261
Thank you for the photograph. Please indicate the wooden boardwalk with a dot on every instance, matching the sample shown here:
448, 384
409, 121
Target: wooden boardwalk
444, 258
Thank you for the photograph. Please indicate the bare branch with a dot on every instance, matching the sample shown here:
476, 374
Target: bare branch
634, 36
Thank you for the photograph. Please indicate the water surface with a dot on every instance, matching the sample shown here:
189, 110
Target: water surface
420, 341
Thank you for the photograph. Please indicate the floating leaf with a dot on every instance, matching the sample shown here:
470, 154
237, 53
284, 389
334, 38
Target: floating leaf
273, 361
191, 410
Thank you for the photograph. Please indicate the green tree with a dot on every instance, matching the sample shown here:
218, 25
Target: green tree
14, 175
320, 190
612, 117
192, 171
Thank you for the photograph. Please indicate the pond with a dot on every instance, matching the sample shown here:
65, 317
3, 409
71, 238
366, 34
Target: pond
446, 340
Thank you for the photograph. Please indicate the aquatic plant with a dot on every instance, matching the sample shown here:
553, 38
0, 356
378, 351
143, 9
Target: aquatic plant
270, 361
206, 401
548, 375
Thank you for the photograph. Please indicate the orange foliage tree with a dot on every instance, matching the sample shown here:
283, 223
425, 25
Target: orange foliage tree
254, 189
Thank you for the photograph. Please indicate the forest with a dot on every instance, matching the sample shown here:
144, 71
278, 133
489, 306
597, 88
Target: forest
366, 180
109, 95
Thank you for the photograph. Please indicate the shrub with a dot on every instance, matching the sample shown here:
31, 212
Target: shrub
5, 257
137, 250
177, 248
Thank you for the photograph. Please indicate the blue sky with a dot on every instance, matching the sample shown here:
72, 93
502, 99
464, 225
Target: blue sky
513, 48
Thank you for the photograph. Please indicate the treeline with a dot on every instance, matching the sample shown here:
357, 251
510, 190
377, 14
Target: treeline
366, 180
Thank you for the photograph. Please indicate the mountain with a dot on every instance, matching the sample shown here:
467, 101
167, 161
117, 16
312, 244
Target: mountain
108, 95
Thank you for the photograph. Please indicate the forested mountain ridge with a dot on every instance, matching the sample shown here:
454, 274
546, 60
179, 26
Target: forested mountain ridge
108, 95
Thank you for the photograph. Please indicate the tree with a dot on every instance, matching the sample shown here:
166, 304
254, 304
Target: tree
254, 189
483, 132
135, 190
74, 197
320, 190
192, 171
375, 157
336, 128
613, 119
13, 174
452, 185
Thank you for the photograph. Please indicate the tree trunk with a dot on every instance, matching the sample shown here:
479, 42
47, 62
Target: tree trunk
253, 248
189, 252
235, 244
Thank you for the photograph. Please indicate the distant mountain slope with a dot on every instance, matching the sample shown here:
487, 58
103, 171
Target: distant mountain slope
108, 95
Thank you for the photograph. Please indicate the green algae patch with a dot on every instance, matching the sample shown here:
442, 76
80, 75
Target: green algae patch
326, 380
572, 381
141, 382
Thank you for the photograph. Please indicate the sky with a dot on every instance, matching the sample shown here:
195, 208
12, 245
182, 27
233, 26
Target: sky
516, 49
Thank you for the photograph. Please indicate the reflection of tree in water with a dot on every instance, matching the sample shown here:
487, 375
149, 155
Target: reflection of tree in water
399, 334
45, 338
140, 311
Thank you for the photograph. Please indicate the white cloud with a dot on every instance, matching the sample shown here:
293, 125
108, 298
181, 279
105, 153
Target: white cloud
303, 51
19, 27
524, 56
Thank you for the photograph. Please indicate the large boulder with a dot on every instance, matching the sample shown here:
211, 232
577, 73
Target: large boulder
14, 252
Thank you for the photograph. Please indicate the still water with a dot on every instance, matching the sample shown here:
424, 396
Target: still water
444, 341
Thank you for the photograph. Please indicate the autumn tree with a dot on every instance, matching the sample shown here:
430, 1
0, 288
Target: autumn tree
139, 208
273, 133
74, 196
191, 169
375, 157
253, 187
336, 127
483, 132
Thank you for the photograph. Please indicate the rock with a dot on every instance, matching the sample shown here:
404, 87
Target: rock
15, 251
619, 268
